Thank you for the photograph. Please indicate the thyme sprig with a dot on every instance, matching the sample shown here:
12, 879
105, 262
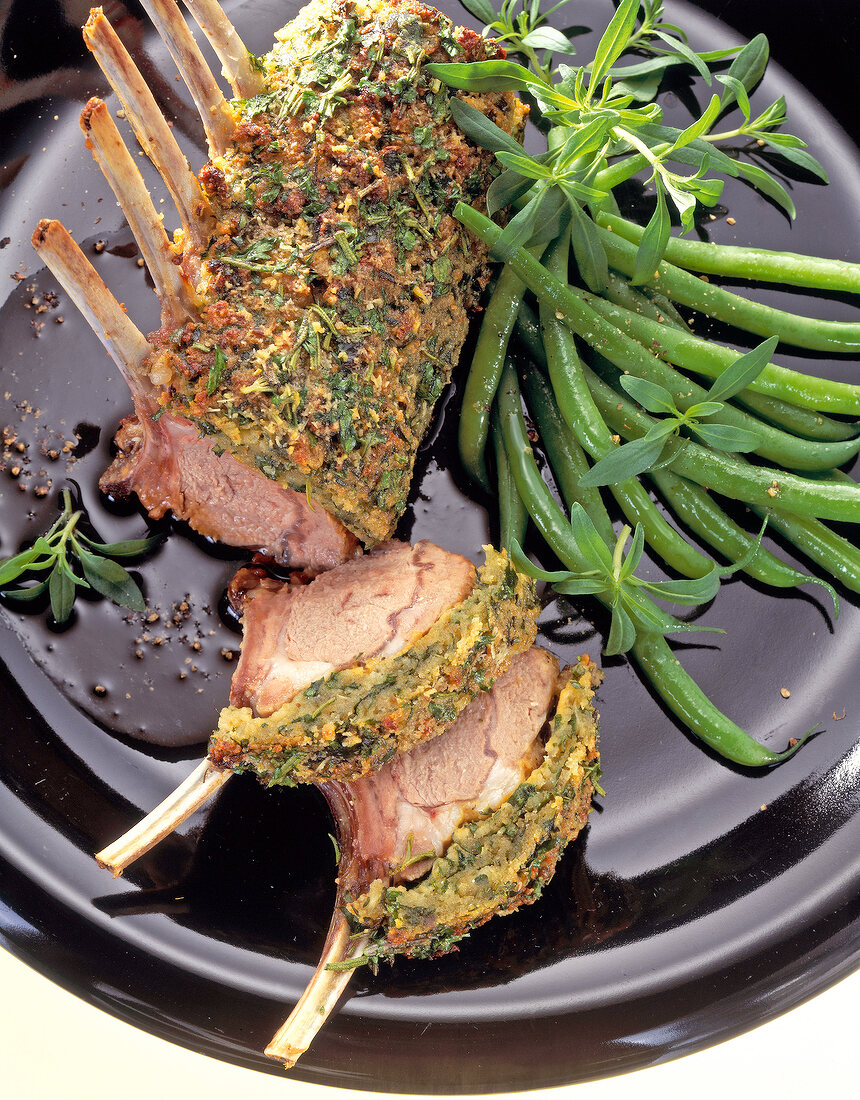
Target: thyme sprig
66, 559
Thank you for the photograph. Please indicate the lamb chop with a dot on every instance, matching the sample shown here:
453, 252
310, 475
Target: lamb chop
464, 827
314, 299
340, 674
461, 829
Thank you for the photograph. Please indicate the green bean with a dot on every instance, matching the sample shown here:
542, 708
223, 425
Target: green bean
797, 420
835, 554
483, 379
565, 456
578, 410
836, 337
686, 700
791, 418
680, 348
673, 684
658, 308
513, 517
755, 264
705, 518
774, 444
731, 476
529, 335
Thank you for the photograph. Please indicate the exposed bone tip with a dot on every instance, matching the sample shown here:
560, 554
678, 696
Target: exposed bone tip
93, 106
95, 15
287, 1054
108, 864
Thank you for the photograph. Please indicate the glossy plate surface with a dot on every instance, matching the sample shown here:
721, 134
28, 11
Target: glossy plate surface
701, 900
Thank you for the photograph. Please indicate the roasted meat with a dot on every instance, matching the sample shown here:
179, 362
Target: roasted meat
353, 718
478, 816
314, 300
340, 674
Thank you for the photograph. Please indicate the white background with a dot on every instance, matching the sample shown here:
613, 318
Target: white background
53, 1045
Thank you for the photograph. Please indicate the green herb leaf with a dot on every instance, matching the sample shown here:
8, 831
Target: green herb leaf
481, 9
30, 593
480, 129
506, 189
613, 42
61, 589
650, 395
701, 126
622, 633
129, 548
652, 247
486, 76
588, 250
109, 579
764, 182
548, 38
745, 369
739, 92
749, 66
216, 372
525, 565
686, 54
590, 544
726, 437
799, 157
582, 585
634, 555
626, 461
692, 592
12, 568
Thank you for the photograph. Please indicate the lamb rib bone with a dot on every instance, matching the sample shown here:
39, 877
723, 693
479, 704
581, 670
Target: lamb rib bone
244, 79
178, 300
123, 341
151, 130
218, 121
168, 815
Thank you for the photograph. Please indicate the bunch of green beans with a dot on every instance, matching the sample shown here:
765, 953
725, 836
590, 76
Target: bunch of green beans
574, 355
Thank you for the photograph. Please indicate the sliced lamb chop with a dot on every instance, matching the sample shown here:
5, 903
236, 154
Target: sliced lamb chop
480, 814
173, 468
350, 722
387, 625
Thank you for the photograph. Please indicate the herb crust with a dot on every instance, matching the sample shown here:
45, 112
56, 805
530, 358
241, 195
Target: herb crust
497, 863
355, 720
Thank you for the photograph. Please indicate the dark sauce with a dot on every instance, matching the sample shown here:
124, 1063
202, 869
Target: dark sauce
256, 870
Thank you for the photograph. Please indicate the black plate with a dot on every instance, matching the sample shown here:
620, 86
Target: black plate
701, 900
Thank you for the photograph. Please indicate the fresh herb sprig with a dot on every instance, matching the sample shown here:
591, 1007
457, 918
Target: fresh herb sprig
525, 31
66, 559
612, 578
650, 451
594, 118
